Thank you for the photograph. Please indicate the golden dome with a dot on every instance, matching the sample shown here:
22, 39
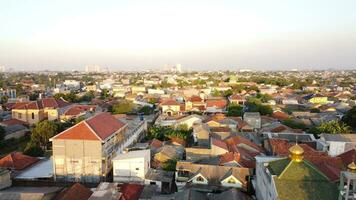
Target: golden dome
296, 153
296, 149
352, 167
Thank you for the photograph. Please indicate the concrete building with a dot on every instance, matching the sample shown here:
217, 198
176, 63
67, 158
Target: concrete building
131, 166
5, 180
336, 144
92, 69
84, 151
36, 111
253, 119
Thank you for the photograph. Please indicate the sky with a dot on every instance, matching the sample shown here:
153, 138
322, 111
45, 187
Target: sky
198, 34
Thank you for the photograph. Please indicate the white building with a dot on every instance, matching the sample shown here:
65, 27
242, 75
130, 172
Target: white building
71, 84
2, 68
263, 183
336, 144
131, 166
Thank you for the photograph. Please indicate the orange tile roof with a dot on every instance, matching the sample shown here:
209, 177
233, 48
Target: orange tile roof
80, 131
218, 103
98, 127
17, 161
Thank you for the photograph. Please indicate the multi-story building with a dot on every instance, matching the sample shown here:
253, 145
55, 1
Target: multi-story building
9, 93
84, 151
36, 111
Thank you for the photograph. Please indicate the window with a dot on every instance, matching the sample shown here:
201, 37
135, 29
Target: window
137, 169
19, 115
33, 115
200, 179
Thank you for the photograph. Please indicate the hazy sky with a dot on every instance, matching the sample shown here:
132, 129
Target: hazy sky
120, 34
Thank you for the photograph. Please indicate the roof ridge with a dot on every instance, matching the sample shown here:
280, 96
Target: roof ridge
92, 130
285, 169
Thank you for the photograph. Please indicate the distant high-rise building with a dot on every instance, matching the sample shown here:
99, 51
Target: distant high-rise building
2, 68
176, 68
92, 68
179, 68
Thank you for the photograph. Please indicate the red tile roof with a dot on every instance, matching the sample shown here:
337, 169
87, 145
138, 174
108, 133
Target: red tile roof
280, 115
75, 192
220, 129
17, 161
237, 97
219, 143
104, 124
78, 109
11, 122
156, 143
42, 103
237, 157
218, 103
195, 98
170, 102
100, 126
348, 156
131, 191
239, 140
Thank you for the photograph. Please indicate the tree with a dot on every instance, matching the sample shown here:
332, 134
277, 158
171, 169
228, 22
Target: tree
87, 96
104, 94
123, 107
71, 97
255, 105
170, 165
264, 97
235, 110
350, 117
42, 132
146, 110
59, 95
333, 127
33, 150
4, 99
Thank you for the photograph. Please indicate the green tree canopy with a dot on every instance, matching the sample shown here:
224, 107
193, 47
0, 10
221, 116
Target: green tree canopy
123, 107
146, 110
235, 110
332, 127
255, 105
350, 117
42, 132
